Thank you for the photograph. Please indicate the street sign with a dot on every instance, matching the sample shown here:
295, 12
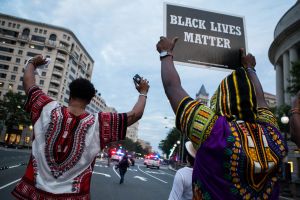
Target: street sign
205, 37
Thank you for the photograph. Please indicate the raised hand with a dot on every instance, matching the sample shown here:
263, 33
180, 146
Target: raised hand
165, 44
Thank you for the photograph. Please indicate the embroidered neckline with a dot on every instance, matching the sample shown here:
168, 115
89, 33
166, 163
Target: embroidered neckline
65, 140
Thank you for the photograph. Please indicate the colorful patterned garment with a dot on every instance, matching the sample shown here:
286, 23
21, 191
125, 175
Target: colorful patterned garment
237, 159
239, 148
64, 149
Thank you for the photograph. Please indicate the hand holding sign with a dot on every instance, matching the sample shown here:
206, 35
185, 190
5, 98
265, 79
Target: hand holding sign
166, 44
248, 61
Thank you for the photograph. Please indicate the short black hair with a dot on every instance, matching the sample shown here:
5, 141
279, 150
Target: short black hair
82, 88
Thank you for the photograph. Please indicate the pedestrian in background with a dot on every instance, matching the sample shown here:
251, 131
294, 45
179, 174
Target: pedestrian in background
66, 140
182, 185
240, 150
123, 164
295, 120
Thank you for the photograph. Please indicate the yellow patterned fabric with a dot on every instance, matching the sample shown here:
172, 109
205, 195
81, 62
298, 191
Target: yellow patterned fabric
235, 97
265, 115
195, 120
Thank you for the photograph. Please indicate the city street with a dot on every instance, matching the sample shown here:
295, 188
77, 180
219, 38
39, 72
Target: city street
140, 182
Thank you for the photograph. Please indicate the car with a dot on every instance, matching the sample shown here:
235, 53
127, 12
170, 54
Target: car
146, 159
153, 162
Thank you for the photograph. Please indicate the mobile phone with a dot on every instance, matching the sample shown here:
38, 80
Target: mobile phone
137, 79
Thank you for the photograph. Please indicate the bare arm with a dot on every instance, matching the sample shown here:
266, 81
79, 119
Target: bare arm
295, 120
138, 109
29, 78
249, 63
169, 75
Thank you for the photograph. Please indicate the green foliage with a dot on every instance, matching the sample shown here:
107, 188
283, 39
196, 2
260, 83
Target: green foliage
130, 146
171, 139
11, 110
295, 78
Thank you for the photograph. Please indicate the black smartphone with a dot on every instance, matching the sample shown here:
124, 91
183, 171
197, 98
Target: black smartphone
137, 79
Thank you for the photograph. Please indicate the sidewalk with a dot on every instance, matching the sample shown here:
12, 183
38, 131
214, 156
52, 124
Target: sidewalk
290, 190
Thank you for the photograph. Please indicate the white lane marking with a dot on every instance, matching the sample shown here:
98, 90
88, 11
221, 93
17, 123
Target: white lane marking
151, 175
116, 171
98, 165
141, 178
169, 174
132, 169
14, 166
152, 172
8, 184
107, 175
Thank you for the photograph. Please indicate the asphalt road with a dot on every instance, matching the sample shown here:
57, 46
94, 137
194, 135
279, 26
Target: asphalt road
140, 182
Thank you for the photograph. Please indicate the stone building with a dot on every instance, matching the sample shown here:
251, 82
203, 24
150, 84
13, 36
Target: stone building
284, 50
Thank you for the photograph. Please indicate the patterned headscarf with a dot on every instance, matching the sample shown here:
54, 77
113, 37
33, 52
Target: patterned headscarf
235, 97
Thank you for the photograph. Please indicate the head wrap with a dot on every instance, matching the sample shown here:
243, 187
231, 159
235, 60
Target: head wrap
235, 97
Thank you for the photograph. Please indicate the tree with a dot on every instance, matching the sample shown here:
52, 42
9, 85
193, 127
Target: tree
295, 78
171, 139
130, 146
12, 113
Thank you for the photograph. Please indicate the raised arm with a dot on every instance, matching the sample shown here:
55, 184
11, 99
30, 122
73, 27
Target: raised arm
170, 78
295, 120
138, 109
249, 63
29, 78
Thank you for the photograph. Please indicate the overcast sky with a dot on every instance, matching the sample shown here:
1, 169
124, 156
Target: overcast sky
121, 37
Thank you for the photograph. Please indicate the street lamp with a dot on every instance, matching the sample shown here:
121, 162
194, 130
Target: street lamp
178, 151
285, 120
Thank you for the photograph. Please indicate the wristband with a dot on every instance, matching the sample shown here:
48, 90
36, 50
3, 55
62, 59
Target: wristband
164, 54
250, 69
143, 95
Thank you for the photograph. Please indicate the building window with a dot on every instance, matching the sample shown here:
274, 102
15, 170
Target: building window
42, 82
22, 44
68, 38
14, 25
18, 60
2, 75
45, 32
18, 26
52, 37
13, 77
36, 30
38, 47
66, 100
5, 49
9, 24
26, 32
30, 54
20, 87
5, 67
64, 36
1, 84
21, 78
38, 38
5, 58
3, 23
44, 73
20, 52
41, 31
15, 68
